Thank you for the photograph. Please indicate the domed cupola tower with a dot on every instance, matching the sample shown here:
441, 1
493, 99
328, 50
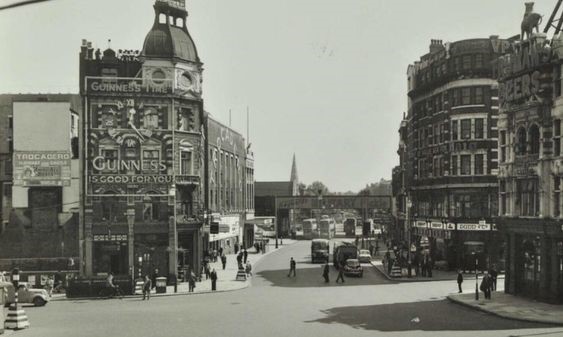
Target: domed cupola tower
169, 53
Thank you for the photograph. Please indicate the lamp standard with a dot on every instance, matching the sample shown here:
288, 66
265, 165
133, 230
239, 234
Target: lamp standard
276, 219
408, 205
320, 207
476, 277
173, 258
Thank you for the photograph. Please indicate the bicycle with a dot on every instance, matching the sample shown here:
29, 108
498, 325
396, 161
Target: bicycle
110, 292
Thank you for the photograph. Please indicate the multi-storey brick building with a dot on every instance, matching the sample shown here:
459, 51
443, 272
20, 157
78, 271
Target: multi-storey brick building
531, 167
230, 185
398, 186
39, 180
143, 152
451, 149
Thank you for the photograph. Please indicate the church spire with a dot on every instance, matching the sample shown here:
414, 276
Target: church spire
294, 178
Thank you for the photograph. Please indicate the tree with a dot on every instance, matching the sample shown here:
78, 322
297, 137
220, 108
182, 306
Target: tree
383, 187
315, 187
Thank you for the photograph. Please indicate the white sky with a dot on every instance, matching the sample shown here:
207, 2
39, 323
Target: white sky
322, 78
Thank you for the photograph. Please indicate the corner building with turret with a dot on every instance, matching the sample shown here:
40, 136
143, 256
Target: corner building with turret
143, 153
451, 158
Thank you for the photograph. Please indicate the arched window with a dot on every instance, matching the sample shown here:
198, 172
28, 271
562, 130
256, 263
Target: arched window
534, 138
162, 18
179, 22
171, 20
521, 141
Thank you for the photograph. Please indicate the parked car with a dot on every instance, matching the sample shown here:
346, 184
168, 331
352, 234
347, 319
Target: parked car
353, 267
364, 256
26, 294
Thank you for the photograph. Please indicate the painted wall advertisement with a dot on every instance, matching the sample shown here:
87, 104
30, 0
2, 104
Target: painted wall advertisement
42, 168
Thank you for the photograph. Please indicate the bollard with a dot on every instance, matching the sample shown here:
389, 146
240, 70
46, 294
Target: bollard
16, 319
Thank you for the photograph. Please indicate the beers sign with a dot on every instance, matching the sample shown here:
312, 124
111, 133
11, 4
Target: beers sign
520, 72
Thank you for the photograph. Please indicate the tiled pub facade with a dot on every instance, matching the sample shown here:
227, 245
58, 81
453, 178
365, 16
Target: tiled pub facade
531, 167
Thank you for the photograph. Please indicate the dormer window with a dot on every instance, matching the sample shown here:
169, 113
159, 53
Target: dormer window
162, 18
179, 22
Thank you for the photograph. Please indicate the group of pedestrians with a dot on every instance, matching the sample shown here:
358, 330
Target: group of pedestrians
488, 282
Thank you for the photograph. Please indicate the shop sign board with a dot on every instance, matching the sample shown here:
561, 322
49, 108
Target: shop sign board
42, 168
436, 225
474, 227
112, 237
450, 226
420, 224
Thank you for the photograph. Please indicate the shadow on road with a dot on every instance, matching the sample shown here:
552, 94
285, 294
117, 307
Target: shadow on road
312, 277
428, 316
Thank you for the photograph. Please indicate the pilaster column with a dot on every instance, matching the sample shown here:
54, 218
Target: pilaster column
172, 246
88, 243
131, 239
510, 281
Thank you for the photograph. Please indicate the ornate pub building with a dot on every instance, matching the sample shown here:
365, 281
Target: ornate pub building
531, 167
143, 153
450, 160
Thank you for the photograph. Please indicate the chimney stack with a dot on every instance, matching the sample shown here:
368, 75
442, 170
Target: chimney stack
90, 51
436, 46
84, 49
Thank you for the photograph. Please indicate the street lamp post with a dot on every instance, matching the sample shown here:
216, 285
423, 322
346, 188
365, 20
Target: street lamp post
276, 219
408, 205
476, 278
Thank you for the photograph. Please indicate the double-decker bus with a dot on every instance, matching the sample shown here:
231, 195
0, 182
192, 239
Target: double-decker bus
327, 228
350, 226
309, 228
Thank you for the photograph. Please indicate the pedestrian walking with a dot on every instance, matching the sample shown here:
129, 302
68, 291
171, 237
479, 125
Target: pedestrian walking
494, 274
236, 247
486, 285
191, 281
223, 260
325, 272
291, 268
459, 280
214, 255
153, 278
245, 255
213, 276
429, 266
340, 274
220, 251
147, 285
239, 260
49, 284
248, 269
207, 271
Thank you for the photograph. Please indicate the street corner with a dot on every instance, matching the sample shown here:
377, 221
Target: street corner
511, 307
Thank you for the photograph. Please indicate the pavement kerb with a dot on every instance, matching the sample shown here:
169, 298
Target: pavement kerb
244, 285
406, 280
483, 309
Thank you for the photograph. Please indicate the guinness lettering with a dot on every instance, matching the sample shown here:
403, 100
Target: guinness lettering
102, 164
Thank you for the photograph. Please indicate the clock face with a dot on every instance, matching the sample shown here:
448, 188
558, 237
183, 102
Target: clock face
158, 76
185, 80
